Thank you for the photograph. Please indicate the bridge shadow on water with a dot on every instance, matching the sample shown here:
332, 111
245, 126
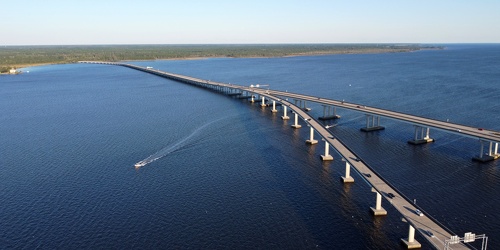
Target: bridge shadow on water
334, 203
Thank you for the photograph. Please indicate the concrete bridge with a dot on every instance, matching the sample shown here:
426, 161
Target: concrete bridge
418, 220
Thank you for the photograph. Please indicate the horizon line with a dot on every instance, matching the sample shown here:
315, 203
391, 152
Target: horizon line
188, 44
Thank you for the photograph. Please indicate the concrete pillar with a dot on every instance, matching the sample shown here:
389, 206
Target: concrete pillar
378, 210
296, 124
305, 107
347, 178
491, 155
423, 138
311, 137
285, 116
411, 234
274, 110
327, 156
375, 124
410, 242
252, 100
263, 104
327, 114
378, 204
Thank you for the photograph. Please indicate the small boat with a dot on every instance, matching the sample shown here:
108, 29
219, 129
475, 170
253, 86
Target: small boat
139, 164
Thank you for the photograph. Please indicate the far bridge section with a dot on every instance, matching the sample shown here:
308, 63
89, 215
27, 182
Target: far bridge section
418, 220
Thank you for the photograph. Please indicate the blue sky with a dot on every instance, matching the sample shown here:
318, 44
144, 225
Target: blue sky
55, 22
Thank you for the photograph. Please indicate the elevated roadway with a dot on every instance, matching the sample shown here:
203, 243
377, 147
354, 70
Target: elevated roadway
473, 132
464, 130
430, 229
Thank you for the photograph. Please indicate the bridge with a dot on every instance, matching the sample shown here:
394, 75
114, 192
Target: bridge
418, 220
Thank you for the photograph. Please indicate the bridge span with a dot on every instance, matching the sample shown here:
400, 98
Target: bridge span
488, 139
418, 220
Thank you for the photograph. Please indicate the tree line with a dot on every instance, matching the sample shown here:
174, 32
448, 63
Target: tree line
19, 56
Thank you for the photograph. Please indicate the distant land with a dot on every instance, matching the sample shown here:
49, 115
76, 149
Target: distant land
23, 56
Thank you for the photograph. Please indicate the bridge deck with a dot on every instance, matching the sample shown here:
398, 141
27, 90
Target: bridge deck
468, 131
422, 224
463, 130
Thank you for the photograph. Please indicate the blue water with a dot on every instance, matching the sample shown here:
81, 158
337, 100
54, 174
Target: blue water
233, 175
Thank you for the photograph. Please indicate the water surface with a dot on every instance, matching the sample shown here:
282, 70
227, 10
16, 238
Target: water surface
231, 174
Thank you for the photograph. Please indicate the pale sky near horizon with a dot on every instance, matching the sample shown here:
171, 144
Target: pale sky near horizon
68, 22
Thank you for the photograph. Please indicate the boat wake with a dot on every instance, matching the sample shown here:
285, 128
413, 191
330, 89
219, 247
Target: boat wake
169, 149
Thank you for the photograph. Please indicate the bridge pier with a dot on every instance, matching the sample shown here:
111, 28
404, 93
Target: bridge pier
305, 107
327, 156
244, 95
274, 110
329, 115
420, 138
252, 98
296, 123
347, 178
263, 104
285, 116
378, 210
491, 155
235, 92
311, 136
300, 102
410, 242
373, 125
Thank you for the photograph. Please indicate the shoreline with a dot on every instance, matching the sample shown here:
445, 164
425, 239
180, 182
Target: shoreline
353, 51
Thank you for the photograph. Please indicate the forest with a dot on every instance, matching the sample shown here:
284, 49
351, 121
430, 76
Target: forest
22, 56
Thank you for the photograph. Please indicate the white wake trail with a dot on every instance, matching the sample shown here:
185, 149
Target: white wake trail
167, 150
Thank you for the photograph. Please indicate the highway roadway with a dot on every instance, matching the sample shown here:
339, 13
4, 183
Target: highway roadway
468, 131
428, 228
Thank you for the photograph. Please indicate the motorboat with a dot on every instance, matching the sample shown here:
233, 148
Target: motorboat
139, 164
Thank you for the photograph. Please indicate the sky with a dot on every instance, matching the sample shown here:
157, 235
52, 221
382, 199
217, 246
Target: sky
81, 22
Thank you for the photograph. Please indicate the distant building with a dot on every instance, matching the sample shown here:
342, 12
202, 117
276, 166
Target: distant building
13, 71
